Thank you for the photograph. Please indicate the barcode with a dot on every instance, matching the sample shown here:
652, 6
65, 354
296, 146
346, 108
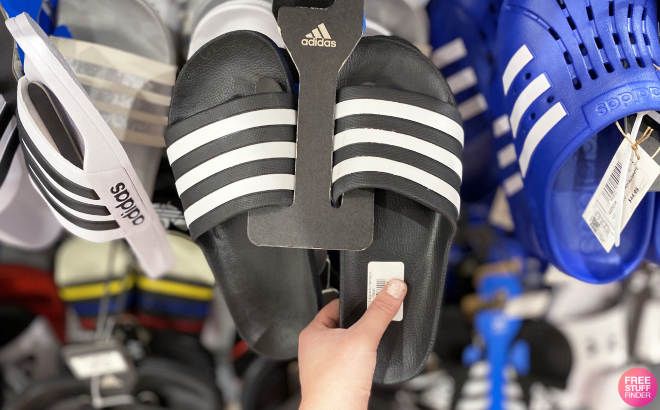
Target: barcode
612, 182
380, 284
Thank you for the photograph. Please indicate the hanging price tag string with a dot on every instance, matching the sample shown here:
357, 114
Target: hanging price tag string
635, 144
105, 323
649, 131
621, 188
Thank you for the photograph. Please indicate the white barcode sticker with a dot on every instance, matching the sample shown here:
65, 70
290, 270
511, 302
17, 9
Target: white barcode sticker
604, 208
98, 364
379, 274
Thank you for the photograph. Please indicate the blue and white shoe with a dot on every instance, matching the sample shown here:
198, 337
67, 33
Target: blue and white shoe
463, 36
568, 73
510, 177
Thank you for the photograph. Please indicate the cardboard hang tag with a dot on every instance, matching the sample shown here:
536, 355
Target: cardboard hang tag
625, 183
319, 40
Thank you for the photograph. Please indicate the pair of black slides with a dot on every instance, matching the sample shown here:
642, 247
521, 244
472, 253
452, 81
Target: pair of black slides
231, 143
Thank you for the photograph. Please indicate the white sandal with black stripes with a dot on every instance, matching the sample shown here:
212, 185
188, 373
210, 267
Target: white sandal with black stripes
102, 200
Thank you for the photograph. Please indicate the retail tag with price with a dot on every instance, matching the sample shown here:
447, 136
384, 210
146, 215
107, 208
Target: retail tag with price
379, 274
612, 204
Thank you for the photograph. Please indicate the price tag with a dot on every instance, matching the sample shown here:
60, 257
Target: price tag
379, 274
98, 364
607, 206
107, 360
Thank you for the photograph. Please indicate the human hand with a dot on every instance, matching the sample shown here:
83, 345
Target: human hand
337, 365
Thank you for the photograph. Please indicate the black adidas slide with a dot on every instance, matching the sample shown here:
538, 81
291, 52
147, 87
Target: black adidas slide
231, 144
398, 131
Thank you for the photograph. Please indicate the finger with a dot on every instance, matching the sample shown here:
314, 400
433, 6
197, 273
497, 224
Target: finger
328, 317
382, 310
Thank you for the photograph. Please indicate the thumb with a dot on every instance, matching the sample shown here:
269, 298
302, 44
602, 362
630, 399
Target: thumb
382, 310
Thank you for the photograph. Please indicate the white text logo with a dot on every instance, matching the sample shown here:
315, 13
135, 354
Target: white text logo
319, 37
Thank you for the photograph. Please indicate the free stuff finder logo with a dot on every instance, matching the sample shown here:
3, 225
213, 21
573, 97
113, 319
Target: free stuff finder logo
638, 387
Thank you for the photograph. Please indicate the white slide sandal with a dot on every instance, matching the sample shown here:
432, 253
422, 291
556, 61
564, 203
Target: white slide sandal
107, 182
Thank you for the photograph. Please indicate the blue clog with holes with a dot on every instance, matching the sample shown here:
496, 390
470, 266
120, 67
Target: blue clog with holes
569, 71
463, 36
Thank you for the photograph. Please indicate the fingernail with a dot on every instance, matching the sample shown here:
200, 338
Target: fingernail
396, 288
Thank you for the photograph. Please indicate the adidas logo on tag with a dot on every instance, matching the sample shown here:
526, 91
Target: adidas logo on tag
319, 37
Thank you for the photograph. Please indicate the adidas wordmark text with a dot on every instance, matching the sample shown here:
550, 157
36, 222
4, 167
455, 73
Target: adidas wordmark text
319, 37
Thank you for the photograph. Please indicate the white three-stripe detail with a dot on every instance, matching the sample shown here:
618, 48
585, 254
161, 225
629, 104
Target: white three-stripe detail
533, 91
538, 132
238, 189
387, 166
60, 188
506, 156
513, 184
462, 80
519, 60
501, 126
81, 215
361, 136
256, 152
472, 107
402, 111
449, 53
63, 167
102, 236
217, 130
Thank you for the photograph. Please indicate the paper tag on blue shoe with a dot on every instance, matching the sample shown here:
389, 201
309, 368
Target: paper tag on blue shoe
608, 206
